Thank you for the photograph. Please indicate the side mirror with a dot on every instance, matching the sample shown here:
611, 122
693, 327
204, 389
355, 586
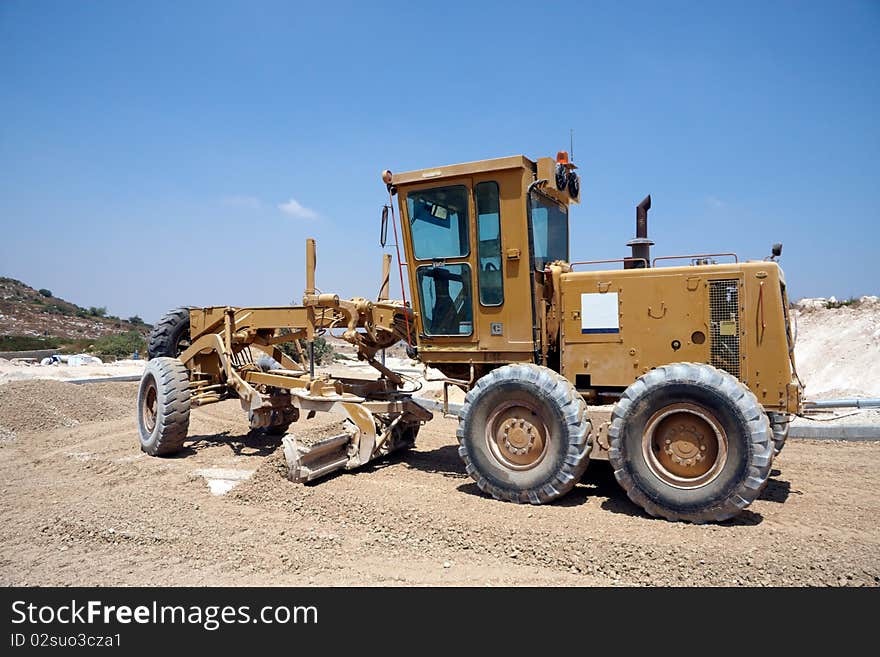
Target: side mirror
383, 230
775, 251
574, 185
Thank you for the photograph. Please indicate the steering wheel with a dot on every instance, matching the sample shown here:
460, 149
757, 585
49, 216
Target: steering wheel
443, 274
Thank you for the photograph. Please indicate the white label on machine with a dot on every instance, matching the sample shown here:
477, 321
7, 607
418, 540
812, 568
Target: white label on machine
599, 313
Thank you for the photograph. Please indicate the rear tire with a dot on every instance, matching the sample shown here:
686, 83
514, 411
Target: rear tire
779, 425
524, 434
690, 442
170, 336
163, 406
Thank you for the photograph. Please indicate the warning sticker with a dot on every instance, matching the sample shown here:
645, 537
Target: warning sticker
599, 313
727, 327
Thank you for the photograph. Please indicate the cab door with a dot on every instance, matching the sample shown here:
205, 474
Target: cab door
502, 297
439, 226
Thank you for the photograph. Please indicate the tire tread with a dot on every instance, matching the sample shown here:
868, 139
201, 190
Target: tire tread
759, 438
573, 410
166, 333
172, 418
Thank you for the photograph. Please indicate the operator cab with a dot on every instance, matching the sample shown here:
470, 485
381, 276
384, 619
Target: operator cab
473, 234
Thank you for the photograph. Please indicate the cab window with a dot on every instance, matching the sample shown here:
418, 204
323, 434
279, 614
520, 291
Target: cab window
548, 228
489, 247
438, 220
445, 296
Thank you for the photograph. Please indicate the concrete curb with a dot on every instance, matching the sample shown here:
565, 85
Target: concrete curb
33, 353
854, 432
103, 379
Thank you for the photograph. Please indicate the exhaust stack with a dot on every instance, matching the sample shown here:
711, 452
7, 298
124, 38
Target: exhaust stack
641, 245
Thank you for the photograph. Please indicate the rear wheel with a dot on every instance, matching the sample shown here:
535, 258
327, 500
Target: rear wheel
690, 442
524, 434
170, 336
779, 424
163, 406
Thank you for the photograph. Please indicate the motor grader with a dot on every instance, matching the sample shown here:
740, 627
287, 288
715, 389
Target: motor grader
694, 352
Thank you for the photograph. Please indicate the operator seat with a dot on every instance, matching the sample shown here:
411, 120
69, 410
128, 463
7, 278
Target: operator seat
444, 318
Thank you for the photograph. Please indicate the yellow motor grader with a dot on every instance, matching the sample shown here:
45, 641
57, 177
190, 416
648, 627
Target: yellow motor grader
694, 352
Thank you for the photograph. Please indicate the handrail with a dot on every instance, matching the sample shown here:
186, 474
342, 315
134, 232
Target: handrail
694, 255
599, 262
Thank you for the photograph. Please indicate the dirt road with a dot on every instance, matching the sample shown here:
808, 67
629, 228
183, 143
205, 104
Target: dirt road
83, 506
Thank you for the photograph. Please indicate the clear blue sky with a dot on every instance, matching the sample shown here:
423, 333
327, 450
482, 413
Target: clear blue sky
150, 150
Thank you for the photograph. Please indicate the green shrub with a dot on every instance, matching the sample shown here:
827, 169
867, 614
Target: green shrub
97, 311
122, 345
852, 301
55, 309
134, 319
324, 353
27, 342
75, 345
45, 292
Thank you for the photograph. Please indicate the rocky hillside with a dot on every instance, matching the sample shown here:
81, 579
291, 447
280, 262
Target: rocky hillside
25, 311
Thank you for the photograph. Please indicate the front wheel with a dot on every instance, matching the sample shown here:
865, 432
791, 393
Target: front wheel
524, 434
163, 406
690, 442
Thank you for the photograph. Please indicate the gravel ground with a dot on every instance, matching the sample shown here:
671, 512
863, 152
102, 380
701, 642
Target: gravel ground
83, 506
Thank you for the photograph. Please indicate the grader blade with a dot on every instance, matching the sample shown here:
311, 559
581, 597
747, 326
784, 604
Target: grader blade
309, 462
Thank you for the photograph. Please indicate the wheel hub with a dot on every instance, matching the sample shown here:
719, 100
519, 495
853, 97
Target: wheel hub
685, 445
150, 407
517, 435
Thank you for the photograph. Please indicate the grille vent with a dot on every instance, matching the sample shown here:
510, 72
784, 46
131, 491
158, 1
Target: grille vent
724, 325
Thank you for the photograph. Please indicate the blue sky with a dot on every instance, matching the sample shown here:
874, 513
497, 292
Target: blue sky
166, 153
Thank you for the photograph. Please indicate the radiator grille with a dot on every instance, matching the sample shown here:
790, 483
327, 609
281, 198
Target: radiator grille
724, 325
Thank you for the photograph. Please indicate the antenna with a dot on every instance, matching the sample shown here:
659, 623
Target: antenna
571, 144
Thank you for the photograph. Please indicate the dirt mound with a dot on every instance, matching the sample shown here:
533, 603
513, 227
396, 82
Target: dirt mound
269, 484
46, 405
838, 348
